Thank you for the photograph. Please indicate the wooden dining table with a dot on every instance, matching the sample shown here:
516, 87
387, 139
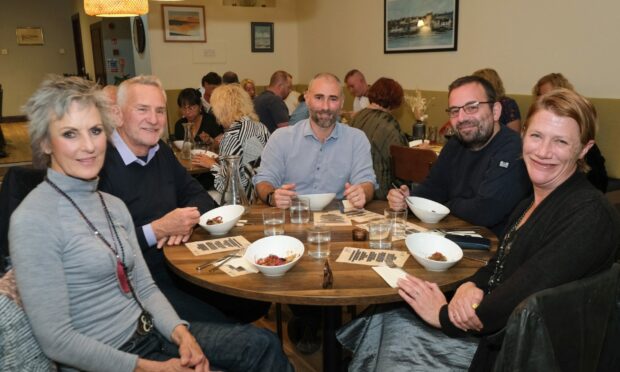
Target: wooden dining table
353, 284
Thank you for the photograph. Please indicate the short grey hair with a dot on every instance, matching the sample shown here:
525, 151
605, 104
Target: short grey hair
51, 102
328, 76
152, 80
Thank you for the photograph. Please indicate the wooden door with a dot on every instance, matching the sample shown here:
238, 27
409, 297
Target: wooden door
98, 56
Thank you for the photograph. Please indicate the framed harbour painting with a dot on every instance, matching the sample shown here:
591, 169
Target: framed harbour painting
420, 25
184, 23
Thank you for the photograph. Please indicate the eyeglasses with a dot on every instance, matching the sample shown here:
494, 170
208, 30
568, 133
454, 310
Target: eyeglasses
469, 108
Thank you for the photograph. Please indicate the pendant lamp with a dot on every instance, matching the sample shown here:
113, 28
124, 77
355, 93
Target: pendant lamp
116, 8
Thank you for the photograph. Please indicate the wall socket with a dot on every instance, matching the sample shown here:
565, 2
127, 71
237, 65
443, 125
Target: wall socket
4, 51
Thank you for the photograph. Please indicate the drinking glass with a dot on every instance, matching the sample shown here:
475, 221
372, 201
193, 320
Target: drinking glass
318, 241
380, 234
300, 210
273, 221
398, 219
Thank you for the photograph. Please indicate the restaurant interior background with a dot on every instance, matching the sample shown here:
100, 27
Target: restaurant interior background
522, 40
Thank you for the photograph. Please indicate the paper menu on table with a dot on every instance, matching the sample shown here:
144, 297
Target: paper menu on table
205, 247
331, 218
362, 215
372, 257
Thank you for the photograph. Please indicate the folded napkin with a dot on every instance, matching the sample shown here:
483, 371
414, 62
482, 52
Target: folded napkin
390, 275
238, 266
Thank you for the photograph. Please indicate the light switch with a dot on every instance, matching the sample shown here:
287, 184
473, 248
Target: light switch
4, 51
61, 51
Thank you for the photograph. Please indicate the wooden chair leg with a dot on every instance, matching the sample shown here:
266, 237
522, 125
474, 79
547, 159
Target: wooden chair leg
279, 321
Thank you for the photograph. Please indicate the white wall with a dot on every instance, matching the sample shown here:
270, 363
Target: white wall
228, 34
522, 40
23, 68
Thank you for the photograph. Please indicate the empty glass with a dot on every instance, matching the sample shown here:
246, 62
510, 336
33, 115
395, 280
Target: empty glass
398, 219
273, 221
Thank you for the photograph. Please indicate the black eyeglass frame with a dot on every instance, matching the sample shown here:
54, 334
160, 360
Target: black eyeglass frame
469, 108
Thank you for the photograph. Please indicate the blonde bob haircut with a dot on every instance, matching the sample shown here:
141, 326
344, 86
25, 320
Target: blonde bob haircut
230, 103
569, 104
53, 100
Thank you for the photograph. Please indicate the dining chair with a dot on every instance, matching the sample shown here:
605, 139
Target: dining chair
17, 183
542, 335
411, 164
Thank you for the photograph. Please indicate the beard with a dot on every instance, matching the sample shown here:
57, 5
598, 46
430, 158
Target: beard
324, 122
474, 139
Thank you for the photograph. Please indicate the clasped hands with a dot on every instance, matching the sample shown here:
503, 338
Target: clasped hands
353, 193
176, 226
426, 299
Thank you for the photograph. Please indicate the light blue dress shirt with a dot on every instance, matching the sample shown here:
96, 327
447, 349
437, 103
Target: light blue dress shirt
295, 155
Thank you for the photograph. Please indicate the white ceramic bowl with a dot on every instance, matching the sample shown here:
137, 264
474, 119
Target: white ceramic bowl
423, 245
319, 201
178, 144
204, 152
230, 215
279, 245
427, 210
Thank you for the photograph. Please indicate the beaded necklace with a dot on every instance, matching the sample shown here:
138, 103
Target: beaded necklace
115, 247
504, 251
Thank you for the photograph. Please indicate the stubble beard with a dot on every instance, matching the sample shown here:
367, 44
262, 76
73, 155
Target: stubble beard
324, 123
476, 139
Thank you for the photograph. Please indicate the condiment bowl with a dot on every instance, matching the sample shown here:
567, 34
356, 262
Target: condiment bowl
423, 245
426, 210
279, 245
319, 201
230, 215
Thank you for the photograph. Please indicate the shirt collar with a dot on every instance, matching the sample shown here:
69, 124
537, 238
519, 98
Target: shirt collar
127, 155
307, 130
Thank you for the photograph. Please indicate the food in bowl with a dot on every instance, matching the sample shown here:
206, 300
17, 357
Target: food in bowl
283, 247
215, 220
437, 256
229, 215
274, 260
423, 246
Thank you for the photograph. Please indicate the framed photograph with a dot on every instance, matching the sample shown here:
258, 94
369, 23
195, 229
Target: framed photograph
184, 23
29, 35
262, 37
420, 25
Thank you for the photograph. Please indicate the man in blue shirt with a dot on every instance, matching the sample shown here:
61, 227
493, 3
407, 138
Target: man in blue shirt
317, 155
479, 174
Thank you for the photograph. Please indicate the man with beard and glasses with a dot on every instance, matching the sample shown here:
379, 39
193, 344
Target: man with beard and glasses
317, 155
479, 174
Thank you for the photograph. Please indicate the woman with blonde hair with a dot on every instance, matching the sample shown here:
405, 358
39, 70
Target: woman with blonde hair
249, 86
244, 135
511, 116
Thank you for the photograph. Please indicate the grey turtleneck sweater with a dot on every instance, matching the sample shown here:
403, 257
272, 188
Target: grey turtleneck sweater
67, 276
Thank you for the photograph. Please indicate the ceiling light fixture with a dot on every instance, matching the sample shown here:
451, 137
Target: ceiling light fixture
116, 8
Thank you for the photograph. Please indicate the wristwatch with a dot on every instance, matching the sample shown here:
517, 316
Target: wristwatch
270, 197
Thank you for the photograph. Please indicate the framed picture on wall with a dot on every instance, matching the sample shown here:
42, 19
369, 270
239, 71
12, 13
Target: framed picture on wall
420, 25
29, 35
262, 37
184, 23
